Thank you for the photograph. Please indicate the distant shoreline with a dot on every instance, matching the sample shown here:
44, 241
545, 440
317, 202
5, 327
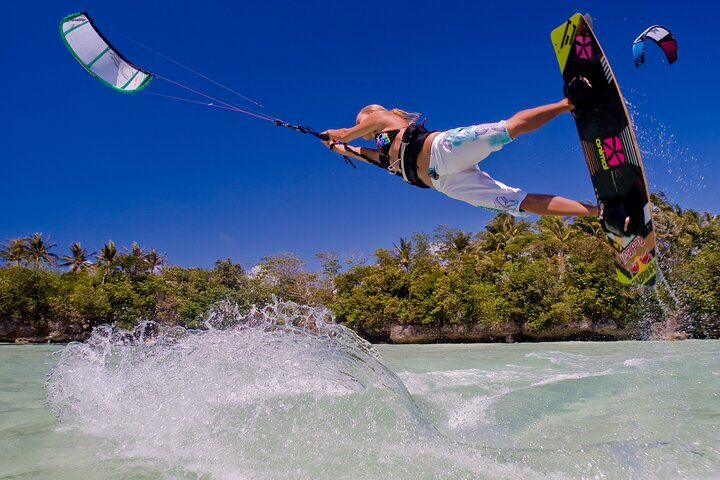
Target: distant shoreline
418, 335
515, 281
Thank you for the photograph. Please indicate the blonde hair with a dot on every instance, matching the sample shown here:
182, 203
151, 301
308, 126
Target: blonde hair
408, 116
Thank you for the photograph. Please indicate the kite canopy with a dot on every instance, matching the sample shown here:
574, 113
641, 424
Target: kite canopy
99, 57
660, 35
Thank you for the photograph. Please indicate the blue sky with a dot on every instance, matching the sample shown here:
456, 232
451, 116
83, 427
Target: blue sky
84, 163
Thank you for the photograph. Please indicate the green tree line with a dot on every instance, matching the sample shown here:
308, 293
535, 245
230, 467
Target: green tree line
537, 274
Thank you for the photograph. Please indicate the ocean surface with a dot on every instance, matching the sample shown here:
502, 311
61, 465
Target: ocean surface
283, 393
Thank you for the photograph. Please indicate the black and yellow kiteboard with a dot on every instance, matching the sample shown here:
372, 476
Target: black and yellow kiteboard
610, 149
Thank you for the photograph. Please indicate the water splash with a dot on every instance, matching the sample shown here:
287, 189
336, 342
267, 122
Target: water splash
277, 392
251, 391
670, 167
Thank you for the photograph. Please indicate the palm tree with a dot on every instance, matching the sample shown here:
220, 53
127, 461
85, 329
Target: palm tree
155, 261
77, 260
38, 251
137, 251
403, 253
461, 242
500, 231
133, 262
453, 242
108, 258
555, 228
590, 225
15, 251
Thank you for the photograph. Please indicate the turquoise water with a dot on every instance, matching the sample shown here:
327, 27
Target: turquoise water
276, 400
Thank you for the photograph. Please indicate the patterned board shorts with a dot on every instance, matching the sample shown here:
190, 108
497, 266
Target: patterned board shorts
454, 158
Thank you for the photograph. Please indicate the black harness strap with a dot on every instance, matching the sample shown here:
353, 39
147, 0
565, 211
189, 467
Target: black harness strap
410, 146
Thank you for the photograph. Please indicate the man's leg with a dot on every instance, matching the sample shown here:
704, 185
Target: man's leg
554, 205
528, 120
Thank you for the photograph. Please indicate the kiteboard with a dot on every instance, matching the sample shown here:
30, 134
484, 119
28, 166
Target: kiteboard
610, 149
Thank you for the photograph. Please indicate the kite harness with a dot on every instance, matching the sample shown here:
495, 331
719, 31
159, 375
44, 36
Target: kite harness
410, 146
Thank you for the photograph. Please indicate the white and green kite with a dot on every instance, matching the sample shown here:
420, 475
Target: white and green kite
98, 56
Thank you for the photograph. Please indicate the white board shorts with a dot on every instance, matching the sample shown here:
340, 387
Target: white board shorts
454, 170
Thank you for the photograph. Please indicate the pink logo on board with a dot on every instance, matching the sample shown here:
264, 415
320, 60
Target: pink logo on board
613, 151
583, 47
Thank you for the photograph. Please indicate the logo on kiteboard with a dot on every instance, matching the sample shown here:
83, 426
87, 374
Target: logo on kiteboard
610, 151
583, 47
640, 264
643, 269
629, 252
568, 34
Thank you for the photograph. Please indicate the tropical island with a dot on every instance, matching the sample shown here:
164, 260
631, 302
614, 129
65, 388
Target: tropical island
515, 281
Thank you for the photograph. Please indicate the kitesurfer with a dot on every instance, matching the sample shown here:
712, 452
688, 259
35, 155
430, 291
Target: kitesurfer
448, 161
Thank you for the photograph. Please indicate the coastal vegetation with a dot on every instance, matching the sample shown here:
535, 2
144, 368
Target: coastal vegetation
516, 280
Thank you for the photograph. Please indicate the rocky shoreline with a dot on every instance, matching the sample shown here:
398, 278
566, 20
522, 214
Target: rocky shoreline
508, 332
53, 332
